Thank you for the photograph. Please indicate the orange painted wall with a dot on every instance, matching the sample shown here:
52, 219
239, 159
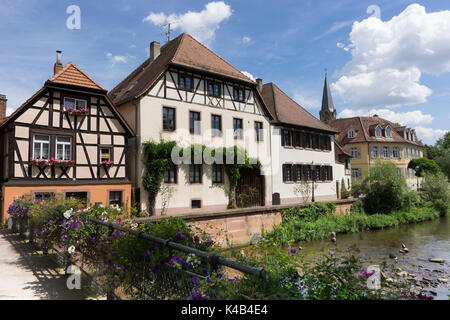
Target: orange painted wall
96, 193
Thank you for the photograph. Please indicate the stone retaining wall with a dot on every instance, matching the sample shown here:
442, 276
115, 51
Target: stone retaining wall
237, 227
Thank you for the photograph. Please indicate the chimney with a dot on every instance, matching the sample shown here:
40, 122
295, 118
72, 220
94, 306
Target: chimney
260, 84
2, 106
58, 65
155, 50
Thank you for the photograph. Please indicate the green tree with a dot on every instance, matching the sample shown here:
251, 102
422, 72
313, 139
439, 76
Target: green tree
423, 165
435, 189
440, 152
384, 188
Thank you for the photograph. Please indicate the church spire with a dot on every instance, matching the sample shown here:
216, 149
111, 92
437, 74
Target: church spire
327, 112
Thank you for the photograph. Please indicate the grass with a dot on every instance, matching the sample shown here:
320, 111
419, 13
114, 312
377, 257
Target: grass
299, 227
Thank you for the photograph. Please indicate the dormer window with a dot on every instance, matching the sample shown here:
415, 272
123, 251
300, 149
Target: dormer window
351, 133
388, 132
185, 82
75, 104
378, 132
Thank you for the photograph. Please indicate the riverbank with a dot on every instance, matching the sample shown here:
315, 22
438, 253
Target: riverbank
319, 222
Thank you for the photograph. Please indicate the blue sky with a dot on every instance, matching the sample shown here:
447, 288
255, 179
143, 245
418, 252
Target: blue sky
397, 67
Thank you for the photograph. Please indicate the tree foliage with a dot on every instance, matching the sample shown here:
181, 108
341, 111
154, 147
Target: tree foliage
423, 165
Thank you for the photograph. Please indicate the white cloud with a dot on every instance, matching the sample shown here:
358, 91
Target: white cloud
201, 25
410, 118
389, 57
430, 134
116, 59
248, 75
246, 40
307, 100
334, 28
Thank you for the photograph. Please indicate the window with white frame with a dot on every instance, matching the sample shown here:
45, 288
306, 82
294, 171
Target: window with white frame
388, 132
351, 133
356, 173
395, 152
41, 147
378, 133
355, 152
76, 104
64, 148
385, 152
374, 153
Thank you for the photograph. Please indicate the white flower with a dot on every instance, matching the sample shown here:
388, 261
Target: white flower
68, 213
134, 226
193, 260
71, 249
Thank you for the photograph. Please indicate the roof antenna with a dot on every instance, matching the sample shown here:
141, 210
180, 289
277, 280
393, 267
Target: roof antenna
168, 32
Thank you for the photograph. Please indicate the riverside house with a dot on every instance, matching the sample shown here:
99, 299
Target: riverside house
67, 140
303, 149
186, 93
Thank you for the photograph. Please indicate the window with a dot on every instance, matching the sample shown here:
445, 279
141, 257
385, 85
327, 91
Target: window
168, 119
378, 133
195, 173
308, 140
237, 126
105, 154
216, 125
81, 196
194, 122
306, 173
385, 152
170, 175
214, 89
297, 172
388, 132
115, 198
287, 172
239, 94
196, 204
43, 196
295, 138
356, 173
70, 103
64, 148
316, 141
351, 133
355, 152
374, 153
217, 173
286, 138
396, 152
41, 147
259, 131
185, 82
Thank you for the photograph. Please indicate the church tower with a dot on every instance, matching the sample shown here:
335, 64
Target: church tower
327, 112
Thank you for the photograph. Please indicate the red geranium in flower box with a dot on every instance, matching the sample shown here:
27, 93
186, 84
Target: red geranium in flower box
76, 112
62, 163
40, 162
107, 163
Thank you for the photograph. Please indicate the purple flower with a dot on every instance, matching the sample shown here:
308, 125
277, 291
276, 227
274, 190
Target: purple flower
178, 236
292, 251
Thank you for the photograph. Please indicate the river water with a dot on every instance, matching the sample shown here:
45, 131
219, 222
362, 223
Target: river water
424, 240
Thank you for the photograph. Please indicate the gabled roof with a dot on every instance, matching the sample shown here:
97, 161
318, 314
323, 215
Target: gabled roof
73, 75
182, 51
287, 111
340, 152
364, 130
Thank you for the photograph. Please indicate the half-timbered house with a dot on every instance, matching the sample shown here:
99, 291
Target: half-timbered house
67, 140
186, 93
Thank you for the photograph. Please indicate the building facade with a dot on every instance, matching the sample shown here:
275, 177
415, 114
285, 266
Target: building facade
303, 149
67, 140
186, 93
368, 139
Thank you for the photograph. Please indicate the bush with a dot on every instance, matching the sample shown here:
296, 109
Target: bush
436, 190
384, 188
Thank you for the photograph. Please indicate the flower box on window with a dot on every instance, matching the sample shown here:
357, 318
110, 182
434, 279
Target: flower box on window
107, 163
76, 111
62, 163
40, 162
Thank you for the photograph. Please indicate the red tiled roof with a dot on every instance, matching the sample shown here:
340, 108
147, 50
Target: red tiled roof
287, 111
364, 130
185, 51
73, 75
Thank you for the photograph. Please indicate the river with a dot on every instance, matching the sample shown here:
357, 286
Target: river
424, 240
